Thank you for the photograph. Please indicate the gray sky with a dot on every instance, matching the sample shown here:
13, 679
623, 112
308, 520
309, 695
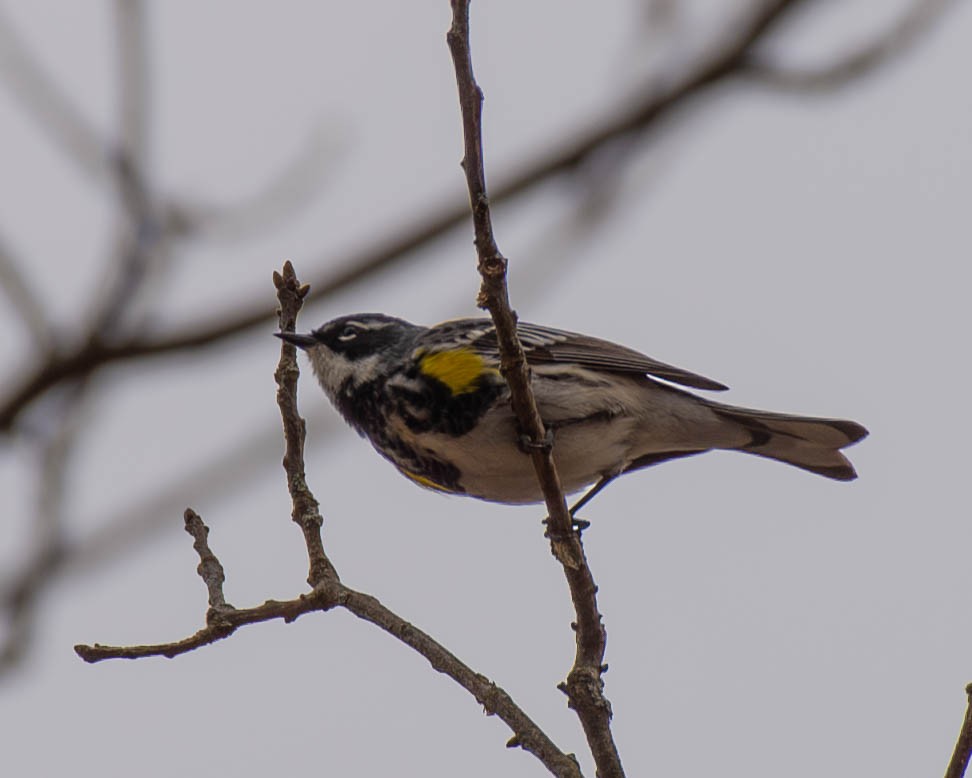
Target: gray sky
811, 252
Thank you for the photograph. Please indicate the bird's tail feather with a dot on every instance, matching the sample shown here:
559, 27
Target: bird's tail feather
808, 443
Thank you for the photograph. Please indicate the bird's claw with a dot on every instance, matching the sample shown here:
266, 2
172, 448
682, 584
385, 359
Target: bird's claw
528, 445
576, 525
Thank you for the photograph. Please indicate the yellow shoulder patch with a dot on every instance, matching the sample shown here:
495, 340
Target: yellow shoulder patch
458, 368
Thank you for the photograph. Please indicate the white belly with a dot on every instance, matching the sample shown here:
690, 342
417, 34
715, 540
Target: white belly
494, 467
644, 419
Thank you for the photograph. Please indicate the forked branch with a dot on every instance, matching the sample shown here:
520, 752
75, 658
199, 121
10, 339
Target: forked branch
327, 592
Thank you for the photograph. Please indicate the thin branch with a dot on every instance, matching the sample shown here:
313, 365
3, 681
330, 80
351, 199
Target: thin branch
210, 568
584, 686
306, 513
222, 619
637, 118
51, 108
526, 734
901, 37
143, 240
332, 593
963, 746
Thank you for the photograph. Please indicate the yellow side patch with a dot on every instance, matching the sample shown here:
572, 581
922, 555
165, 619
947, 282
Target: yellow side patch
421, 480
458, 368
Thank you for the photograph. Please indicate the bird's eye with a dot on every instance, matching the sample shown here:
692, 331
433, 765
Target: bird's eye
348, 333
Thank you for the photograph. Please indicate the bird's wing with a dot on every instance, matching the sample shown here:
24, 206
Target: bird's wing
545, 345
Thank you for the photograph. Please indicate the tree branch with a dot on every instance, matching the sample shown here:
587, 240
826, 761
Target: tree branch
495, 701
963, 746
584, 686
222, 619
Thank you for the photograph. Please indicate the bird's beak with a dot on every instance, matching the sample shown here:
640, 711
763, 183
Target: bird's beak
296, 339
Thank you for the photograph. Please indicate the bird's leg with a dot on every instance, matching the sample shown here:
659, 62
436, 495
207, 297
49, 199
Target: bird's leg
579, 525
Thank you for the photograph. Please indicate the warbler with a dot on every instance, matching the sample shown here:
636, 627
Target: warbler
433, 402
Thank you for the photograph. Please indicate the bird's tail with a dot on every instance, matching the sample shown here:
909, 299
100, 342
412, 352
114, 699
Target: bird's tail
805, 442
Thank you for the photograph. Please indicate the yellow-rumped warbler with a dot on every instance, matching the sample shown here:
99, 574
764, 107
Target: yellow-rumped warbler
432, 401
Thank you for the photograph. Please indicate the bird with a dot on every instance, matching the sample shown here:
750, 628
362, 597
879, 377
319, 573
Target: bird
433, 402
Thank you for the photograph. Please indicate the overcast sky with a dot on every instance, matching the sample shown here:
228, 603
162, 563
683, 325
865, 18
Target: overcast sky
812, 252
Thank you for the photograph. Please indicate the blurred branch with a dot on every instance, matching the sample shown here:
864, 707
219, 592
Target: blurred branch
23, 300
584, 686
732, 57
564, 158
135, 252
143, 241
132, 524
19, 605
52, 110
96, 354
901, 37
963, 746
222, 619
19, 598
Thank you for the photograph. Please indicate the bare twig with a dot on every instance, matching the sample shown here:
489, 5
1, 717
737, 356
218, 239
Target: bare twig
963, 746
584, 686
222, 620
901, 37
330, 594
306, 513
144, 238
210, 569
